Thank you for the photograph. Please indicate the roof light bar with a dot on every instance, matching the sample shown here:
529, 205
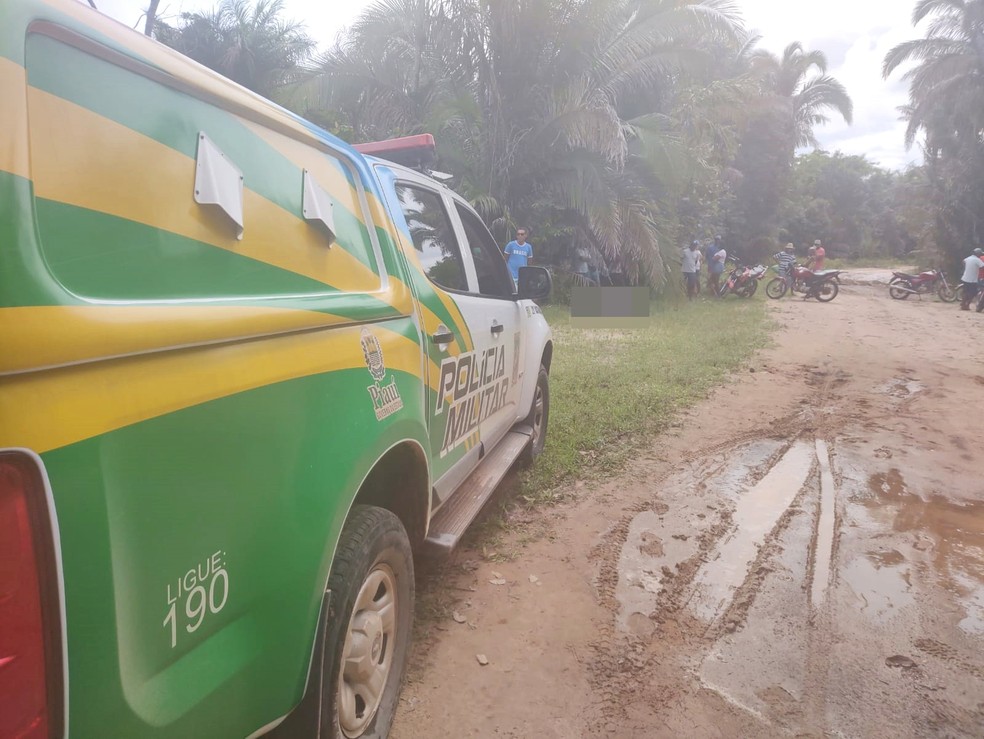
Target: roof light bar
410, 151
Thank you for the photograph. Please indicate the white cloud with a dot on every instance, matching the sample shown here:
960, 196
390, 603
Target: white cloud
856, 35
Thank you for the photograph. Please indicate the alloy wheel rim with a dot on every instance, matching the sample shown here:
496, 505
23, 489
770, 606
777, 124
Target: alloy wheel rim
367, 656
537, 414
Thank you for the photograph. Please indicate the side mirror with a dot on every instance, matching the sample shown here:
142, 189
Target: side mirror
535, 283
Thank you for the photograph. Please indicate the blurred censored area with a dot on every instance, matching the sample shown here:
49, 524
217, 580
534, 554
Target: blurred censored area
610, 307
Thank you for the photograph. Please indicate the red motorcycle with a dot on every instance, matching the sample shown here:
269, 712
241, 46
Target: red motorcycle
822, 285
902, 285
743, 280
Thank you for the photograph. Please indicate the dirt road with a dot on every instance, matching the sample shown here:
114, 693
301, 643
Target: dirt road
803, 555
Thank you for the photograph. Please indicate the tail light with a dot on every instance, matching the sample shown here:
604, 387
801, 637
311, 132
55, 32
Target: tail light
31, 682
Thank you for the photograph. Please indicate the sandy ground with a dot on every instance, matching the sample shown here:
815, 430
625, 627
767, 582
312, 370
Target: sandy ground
802, 555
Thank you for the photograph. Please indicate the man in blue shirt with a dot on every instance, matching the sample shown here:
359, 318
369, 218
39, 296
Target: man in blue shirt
518, 253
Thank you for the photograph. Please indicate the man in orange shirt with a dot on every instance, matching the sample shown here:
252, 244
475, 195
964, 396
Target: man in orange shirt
819, 255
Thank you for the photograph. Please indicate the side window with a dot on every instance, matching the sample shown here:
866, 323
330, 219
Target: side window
433, 236
493, 275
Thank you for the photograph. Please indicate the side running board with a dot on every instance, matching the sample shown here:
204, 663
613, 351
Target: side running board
452, 520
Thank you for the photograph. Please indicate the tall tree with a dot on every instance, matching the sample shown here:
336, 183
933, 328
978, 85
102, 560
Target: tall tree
251, 44
555, 112
151, 16
796, 96
946, 108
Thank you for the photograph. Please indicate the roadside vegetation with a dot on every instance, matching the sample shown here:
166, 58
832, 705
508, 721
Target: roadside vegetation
635, 126
611, 390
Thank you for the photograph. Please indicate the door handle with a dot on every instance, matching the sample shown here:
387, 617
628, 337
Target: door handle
497, 328
442, 337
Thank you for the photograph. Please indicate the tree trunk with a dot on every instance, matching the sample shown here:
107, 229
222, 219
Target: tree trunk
151, 17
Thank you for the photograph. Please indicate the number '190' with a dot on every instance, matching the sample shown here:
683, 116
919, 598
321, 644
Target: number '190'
202, 590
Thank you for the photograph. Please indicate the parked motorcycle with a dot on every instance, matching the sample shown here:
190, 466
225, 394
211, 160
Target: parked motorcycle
903, 284
823, 285
743, 280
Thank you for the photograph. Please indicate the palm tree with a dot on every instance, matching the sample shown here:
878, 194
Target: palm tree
796, 95
946, 103
946, 85
551, 111
251, 44
798, 80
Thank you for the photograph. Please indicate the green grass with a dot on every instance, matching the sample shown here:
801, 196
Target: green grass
611, 390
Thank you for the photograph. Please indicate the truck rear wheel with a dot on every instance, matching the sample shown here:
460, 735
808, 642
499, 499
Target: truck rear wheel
369, 622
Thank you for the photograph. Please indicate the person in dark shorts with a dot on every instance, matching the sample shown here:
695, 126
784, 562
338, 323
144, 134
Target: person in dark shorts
691, 267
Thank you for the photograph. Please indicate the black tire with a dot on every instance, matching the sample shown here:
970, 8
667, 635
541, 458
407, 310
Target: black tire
723, 290
373, 546
776, 288
980, 302
958, 292
827, 291
538, 418
900, 290
748, 289
946, 293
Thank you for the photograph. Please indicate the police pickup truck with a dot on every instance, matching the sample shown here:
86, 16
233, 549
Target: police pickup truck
248, 374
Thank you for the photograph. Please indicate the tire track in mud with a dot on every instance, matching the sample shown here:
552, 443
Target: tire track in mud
625, 664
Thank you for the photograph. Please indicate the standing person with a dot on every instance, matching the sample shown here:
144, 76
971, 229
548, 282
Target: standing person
819, 255
715, 267
518, 253
690, 267
972, 270
700, 265
786, 259
710, 249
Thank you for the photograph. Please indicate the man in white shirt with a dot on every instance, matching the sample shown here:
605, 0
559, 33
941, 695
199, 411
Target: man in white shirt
971, 276
691, 267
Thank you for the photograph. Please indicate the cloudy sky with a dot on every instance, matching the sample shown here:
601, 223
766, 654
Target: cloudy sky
854, 34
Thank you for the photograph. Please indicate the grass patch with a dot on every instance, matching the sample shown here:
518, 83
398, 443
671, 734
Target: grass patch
610, 390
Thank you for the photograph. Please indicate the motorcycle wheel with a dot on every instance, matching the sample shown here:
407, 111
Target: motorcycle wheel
748, 289
776, 288
827, 291
897, 292
980, 302
723, 290
958, 292
947, 294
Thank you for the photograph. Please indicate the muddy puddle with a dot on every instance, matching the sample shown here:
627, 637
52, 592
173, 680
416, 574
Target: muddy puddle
947, 535
756, 514
769, 544
656, 547
901, 388
823, 551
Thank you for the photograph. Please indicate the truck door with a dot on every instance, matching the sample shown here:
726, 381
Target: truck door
492, 312
454, 427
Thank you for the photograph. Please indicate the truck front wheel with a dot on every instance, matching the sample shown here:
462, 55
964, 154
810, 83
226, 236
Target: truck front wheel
538, 417
369, 622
